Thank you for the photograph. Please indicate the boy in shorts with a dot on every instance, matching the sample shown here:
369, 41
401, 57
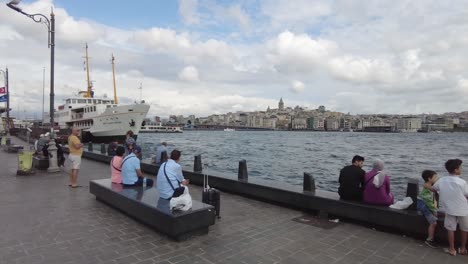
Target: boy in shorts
452, 197
427, 206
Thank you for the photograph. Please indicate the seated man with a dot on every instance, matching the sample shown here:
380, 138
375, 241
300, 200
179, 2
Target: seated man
131, 172
170, 176
352, 180
160, 151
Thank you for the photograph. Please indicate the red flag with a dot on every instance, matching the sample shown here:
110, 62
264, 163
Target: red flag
2, 90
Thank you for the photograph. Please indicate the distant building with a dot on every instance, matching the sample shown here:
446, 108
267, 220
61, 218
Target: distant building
409, 124
321, 109
332, 124
281, 104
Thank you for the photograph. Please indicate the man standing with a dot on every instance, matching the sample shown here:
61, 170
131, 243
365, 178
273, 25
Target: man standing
352, 180
76, 150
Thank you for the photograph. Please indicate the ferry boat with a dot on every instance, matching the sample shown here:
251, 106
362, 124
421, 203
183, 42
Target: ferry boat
229, 129
154, 128
100, 119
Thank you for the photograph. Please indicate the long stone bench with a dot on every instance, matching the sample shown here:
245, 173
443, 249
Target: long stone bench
144, 205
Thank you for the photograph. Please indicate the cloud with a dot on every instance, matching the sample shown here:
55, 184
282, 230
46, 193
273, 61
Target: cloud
188, 11
189, 74
297, 87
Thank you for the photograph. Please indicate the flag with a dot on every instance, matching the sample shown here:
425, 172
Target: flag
3, 98
2, 90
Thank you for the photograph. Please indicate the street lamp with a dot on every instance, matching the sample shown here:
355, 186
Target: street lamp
7, 95
40, 18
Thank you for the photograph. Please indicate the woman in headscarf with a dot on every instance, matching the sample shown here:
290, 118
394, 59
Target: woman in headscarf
377, 186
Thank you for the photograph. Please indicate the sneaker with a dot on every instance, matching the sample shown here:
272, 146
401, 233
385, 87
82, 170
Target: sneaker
431, 243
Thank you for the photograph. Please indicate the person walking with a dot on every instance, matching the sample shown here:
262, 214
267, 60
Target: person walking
76, 150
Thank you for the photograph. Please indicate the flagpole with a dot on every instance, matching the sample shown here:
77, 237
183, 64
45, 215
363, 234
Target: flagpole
7, 90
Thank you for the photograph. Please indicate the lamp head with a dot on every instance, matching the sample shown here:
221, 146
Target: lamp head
13, 5
14, 2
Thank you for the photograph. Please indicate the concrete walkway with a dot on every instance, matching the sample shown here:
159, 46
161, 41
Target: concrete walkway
42, 220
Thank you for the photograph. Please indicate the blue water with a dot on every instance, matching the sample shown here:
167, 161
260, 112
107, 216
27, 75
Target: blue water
285, 156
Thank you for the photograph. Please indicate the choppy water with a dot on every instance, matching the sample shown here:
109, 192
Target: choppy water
285, 156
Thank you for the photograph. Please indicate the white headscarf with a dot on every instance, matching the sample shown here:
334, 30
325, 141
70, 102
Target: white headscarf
380, 177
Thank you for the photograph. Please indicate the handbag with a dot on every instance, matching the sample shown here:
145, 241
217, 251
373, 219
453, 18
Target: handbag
177, 191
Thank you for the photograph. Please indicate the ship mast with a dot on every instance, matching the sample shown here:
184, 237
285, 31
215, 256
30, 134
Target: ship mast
113, 77
88, 93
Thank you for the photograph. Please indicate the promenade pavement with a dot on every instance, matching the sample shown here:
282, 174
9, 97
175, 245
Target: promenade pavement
42, 220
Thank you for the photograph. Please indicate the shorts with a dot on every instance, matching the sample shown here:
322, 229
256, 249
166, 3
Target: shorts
450, 222
75, 161
422, 207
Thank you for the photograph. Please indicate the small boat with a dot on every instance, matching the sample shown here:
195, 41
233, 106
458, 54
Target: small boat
152, 128
229, 129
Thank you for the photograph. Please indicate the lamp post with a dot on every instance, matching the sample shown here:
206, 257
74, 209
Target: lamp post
7, 94
40, 18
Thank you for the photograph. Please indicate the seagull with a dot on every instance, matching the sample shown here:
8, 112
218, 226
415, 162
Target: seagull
14, 2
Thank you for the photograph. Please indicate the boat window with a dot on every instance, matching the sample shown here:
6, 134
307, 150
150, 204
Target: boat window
82, 101
99, 101
68, 101
94, 108
108, 106
74, 101
112, 101
90, 101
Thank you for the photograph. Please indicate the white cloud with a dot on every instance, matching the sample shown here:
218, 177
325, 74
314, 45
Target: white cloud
297, 87
188, 11
189, 74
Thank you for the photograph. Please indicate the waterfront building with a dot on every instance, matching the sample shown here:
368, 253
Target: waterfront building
409, 124
299, 123
332, 124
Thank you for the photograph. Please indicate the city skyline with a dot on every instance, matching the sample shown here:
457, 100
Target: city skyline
204, 56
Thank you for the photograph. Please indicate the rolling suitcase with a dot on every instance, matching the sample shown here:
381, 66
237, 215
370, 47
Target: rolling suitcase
211, 196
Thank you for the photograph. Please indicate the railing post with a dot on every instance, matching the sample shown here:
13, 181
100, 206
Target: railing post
103, 148
197, 164
90, 146
242, 174
309, 183
412, 190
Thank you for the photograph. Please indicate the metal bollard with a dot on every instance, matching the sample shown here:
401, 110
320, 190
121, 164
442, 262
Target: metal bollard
412, 190
309, 183
103, 148
8, 141
197, 164
90, 146
242, 174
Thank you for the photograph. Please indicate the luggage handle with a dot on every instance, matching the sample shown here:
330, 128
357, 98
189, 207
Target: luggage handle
206, 185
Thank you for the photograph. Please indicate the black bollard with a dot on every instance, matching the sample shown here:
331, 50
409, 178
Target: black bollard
309, 183
197, 164
90, 146
8, 141
242, 174
412, 190
103, 148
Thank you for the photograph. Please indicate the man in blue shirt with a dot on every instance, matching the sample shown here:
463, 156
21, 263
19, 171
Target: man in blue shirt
131, 172
159, 151
173, 171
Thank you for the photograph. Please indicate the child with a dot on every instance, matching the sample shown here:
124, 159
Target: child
452, 196
427, 206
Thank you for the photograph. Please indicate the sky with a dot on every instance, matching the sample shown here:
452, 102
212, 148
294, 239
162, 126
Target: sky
207, 57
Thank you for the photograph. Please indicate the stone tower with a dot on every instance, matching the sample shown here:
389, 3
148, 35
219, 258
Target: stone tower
281, 104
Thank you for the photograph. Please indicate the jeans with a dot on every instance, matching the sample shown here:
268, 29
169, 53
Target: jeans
430, 217
139, 182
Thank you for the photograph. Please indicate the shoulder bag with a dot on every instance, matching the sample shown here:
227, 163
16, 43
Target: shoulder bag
177, 191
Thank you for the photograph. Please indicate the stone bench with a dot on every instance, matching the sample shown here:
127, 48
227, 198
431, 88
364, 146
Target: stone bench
144, 205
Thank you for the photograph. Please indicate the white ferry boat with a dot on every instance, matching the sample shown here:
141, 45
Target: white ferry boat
100, 119
153, 128
229, 129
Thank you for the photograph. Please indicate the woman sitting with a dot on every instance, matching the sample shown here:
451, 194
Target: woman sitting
377, 186
116, 165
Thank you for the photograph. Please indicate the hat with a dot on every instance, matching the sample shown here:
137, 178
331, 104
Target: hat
138, 149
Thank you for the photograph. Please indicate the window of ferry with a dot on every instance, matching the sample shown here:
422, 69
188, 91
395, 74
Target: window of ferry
94, 108
112, 101
99, 101
68, 101
82, 101
74, 101
90, 101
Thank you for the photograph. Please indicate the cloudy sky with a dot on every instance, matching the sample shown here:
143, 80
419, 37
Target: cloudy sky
206, 56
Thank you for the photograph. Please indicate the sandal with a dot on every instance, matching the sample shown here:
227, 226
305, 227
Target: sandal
462, 252
446, 250
76, 186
